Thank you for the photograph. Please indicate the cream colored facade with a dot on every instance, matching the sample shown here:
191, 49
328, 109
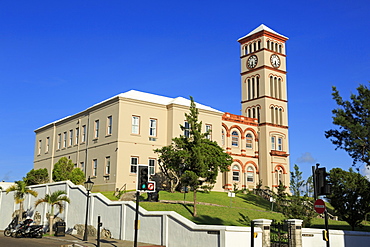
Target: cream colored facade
109, 139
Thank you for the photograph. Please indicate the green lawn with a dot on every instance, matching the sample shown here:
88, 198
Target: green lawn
237, 211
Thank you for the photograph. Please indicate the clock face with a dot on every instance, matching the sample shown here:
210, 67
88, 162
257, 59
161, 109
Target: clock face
275, 61
252, 61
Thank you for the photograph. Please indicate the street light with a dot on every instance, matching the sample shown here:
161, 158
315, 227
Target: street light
88, 185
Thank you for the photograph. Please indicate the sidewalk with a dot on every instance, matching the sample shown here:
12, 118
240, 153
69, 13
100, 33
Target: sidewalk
111, 242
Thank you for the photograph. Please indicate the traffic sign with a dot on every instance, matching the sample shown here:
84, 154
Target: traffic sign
151, 186
319, 206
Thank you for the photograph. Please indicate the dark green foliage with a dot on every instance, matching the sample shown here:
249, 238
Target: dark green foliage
193, 158
350, 195
353, 119
64, 170
39, 176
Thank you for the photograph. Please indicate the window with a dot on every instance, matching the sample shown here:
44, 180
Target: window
134, 162
109, 125
77, 132
272, 142
280, 144
151, 166
187, 129
107, 165
279, 175
83, 138
236, 173
250, 174
64, 139
135, 127
249, 141
209, 131
82, 164
47, 143
70, 138
39, 147
59, 140
95, 167
223, 137
96, 128
153, 127
235, 139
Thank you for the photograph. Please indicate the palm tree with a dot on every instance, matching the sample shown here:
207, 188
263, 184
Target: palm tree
56, 198
20, 191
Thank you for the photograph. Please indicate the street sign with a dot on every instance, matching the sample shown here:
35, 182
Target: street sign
319, 206
151, 186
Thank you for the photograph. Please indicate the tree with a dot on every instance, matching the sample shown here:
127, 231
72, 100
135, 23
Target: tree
64, 170
20, 190
350, 195
195, 158
168, 164
353, 119
39, 176
54, 199
299, 207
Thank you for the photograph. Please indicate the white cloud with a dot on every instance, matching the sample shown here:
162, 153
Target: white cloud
306, 158
366, 172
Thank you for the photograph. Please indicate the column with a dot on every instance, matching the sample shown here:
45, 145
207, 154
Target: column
296, 232
265, 227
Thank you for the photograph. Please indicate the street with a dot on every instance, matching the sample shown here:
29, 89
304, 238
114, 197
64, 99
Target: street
31, 242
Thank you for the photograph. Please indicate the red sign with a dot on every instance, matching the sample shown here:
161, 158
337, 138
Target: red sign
151, 186
319, 206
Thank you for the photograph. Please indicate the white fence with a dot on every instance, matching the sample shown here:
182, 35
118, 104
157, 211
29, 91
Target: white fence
156, 227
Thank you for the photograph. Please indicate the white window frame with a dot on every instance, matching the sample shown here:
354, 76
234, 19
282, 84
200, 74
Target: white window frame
96, 128
153, 127
133, 165
273, 142
39, 147
151, 164
250, 174
77, 133
83, 136
64, 139
135, 125
70, 138
209, 128
280, 144
186, 129
109, 125
47, 144
107, 167
59, 141
249, 141
95, 167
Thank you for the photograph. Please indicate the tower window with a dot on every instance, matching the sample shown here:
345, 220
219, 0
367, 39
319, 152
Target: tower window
280, 144
273, 142
246, 50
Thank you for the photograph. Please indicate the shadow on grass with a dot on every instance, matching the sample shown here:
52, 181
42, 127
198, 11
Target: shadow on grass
244, 220
255, 200
208, 220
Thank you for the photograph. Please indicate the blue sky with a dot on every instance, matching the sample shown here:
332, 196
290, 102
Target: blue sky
59, 57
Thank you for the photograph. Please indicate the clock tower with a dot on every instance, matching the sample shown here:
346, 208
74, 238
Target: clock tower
264, 97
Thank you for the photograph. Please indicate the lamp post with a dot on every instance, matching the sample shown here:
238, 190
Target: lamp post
88, 185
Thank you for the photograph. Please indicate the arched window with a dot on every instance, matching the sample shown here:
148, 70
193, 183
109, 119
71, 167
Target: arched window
271, 86
259, 44
258, 86
272, 45
249, 141
223, 137
279, 175
249, 112
279, 48
236, 173
281, 116
250, 174
279, 89
254, 46
250, 48
276, 116
254, 112
276, 47
246, 50
272, 115
249, 89
253, 88
268, 44
258, 114
235, 139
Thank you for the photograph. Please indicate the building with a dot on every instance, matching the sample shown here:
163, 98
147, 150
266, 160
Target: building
109, 139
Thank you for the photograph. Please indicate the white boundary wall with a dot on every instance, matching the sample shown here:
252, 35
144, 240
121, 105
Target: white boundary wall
156, 227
